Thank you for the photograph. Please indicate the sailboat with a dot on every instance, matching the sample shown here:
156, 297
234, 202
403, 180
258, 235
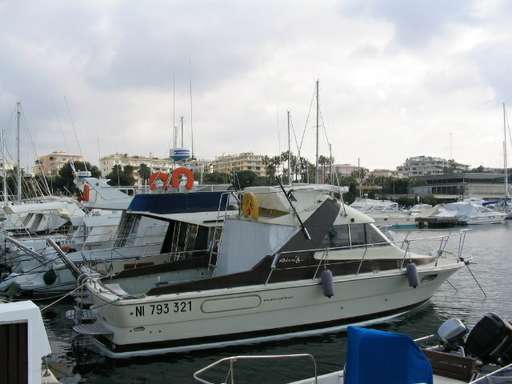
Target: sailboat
505, 205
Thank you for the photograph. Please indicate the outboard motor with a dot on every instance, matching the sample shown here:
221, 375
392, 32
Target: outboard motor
490, 340
451, 333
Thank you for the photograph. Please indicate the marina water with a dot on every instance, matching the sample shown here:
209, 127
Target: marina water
487, 246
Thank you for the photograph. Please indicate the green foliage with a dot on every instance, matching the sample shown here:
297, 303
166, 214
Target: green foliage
63, 183
216, 178
121, 176
245, 179
144, 173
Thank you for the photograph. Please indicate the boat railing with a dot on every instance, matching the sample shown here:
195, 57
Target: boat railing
364, 248
230, 374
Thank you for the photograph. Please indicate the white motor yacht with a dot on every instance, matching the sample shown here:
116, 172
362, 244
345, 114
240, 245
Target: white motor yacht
386, 213
460, 213
294, 261
156, 228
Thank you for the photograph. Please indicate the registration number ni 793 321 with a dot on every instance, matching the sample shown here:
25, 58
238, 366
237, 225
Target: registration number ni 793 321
163, 308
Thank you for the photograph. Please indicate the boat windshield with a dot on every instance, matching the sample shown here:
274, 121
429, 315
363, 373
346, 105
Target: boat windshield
348, 235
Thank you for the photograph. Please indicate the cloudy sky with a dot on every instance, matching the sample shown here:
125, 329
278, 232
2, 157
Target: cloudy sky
397, 77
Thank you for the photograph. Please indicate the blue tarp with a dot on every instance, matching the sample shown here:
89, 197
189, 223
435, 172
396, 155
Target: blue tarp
385, 358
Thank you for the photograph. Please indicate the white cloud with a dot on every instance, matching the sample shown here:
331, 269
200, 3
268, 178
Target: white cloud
396, 77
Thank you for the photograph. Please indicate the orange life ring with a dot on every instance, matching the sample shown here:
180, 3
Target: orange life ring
176, 177
86, 194
162, 176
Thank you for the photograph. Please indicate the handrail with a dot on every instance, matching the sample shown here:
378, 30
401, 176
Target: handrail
233, 359
441, 250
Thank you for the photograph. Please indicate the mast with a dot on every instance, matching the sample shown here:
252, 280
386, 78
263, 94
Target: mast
173, 111
317, 128
181, 122
191, 127
6, 198
505, 166
330, 164
289, 151
18, 162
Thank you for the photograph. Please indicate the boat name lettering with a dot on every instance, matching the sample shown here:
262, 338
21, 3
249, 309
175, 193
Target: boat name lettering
292, 259
165, 308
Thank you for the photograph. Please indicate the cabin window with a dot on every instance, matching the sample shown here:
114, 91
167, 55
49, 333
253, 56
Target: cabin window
373, 235
184, 237
127, 227
358, 234
337, 236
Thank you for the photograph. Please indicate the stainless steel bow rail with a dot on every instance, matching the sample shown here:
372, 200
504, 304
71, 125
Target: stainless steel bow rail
230, 375
363, 248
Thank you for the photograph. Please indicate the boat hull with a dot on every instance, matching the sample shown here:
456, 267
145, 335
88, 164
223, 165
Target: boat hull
218, 318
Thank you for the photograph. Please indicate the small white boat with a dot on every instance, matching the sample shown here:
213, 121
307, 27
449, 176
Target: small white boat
386, 213
451, 356
295, 261
460, 213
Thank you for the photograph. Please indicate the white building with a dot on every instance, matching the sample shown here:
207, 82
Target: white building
155, 164
346, 169
383, 173
246, 161
427, 165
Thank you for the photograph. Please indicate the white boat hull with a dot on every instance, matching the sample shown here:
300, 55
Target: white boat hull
210, 319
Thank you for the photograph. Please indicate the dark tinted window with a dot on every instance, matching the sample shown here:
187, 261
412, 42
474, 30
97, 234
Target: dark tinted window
336, 237
358, 234
373, 236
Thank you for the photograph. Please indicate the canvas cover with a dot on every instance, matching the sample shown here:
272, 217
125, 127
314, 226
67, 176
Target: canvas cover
384, 357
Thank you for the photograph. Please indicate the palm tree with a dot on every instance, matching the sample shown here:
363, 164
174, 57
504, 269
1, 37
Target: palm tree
144, 173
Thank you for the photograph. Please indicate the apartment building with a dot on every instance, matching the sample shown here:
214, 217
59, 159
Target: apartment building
50, 164
427, 165
156, 164
246, 161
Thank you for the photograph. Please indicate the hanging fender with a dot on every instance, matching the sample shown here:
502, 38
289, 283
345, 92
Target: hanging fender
162, 176
326, 278
412, 275
176, 177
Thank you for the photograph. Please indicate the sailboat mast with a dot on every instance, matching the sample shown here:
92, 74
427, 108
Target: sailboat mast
173, 111
18, 162
505, 166
317, 129
191, 126
181, 121
289, 151
6, 198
